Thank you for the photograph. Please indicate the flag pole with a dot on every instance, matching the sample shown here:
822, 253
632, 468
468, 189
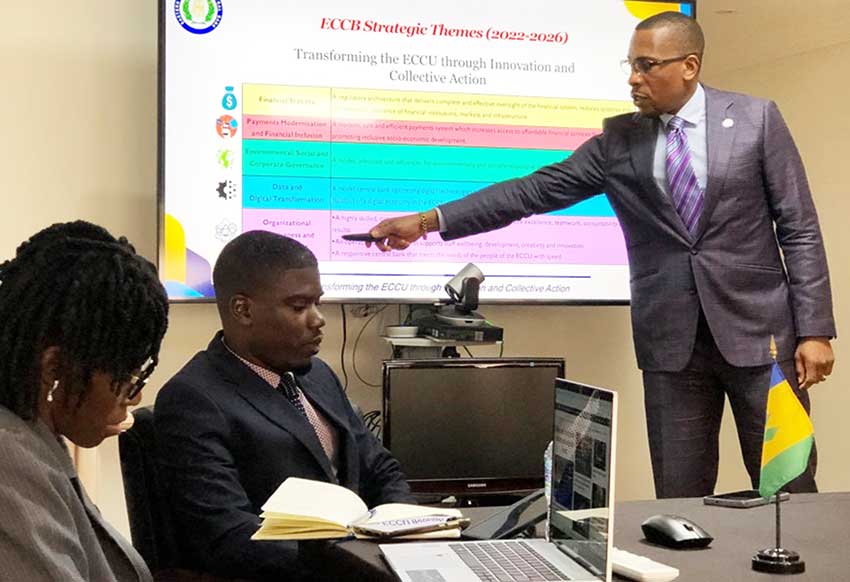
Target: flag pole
777, 560
773, 353
778, 524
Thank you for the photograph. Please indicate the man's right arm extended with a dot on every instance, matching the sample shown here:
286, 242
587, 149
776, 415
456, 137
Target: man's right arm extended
552, 187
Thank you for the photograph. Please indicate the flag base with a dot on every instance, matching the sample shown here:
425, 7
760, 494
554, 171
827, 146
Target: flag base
778, 561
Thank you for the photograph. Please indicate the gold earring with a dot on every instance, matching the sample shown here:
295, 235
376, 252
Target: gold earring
52, 390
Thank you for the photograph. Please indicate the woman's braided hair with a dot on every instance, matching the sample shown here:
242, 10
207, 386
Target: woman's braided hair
75, 286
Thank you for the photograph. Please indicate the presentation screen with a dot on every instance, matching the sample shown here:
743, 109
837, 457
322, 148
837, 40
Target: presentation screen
317, 119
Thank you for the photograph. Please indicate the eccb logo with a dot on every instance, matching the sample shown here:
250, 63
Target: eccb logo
198, 16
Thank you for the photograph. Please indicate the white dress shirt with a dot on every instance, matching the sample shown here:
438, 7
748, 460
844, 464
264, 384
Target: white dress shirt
693, 112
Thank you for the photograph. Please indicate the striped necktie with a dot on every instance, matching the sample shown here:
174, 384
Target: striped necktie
685, 190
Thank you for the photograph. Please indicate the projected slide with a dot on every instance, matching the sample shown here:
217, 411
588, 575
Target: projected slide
322, 119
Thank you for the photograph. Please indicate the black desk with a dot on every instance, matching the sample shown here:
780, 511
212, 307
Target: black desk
815, 525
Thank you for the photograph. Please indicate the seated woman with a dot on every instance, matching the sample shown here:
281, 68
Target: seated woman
81, 321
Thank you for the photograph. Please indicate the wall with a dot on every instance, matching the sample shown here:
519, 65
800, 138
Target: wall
79, 97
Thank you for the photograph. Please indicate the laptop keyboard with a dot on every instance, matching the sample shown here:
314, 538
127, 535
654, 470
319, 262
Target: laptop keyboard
506, 561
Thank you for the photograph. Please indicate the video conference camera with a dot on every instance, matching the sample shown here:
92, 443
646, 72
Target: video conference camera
462, 290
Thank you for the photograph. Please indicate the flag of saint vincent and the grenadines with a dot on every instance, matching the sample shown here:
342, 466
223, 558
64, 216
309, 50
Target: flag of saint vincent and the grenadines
788, 436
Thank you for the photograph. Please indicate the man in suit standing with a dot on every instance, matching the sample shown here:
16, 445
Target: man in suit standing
724, 250
257, 406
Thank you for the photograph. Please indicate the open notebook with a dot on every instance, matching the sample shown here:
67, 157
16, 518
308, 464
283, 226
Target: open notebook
302, 509
580, 530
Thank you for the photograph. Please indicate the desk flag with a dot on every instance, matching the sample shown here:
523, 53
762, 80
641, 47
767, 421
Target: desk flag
788, 436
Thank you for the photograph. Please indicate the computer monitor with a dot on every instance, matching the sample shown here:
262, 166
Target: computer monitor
470, 426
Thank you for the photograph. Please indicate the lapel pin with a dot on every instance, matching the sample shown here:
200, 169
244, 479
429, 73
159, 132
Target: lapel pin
728, 122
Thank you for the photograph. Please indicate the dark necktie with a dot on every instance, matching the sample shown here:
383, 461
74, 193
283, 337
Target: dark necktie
684, 188
290, 389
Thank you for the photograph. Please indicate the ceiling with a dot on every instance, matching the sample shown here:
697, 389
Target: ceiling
744, 33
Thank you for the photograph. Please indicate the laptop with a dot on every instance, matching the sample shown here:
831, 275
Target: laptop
581, 518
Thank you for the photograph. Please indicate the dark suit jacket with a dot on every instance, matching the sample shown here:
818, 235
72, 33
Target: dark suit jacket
732, 267
226, 440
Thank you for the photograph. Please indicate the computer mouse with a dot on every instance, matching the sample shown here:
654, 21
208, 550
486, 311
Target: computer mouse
675, 531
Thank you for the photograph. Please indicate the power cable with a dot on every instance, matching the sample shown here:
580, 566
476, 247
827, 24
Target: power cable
354, 349
342, 349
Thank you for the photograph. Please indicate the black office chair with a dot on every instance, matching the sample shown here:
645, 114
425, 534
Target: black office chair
152, 528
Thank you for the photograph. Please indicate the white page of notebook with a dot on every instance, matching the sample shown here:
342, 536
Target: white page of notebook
316, 499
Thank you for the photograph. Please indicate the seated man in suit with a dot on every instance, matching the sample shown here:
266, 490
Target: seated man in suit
257, 407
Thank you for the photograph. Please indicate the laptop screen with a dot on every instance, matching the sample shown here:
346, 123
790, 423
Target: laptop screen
580, 511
